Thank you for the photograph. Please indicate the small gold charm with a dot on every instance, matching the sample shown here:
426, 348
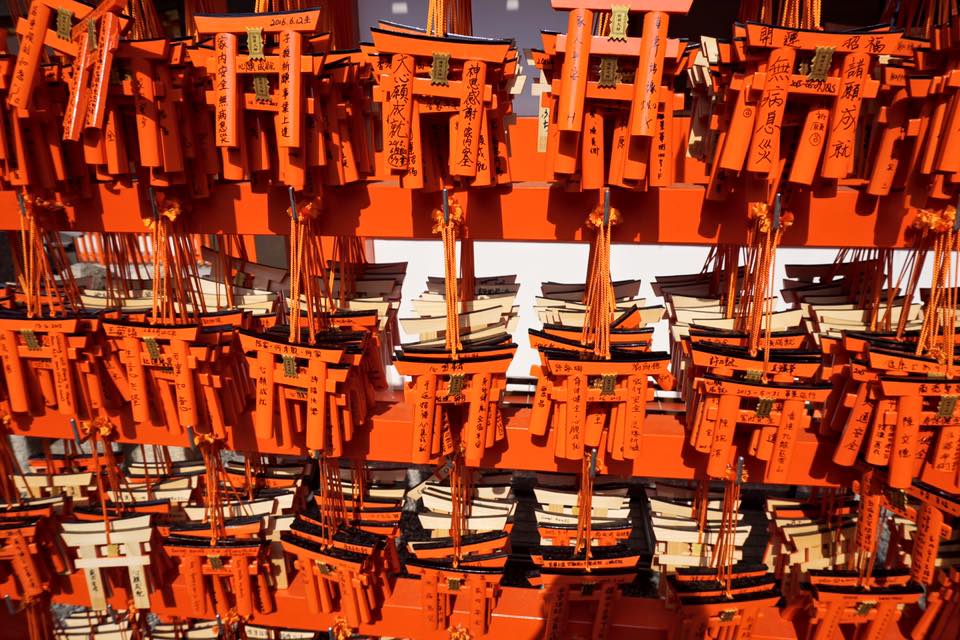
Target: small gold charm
609, 75
820, 65
261, 87
608, 384
152, 348
946, 407
290, 366
440, 69
30, 339
255, 43
619, 19
764, 406
456, 385
64, 23
91, 35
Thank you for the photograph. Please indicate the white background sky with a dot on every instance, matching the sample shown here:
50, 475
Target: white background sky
536, 262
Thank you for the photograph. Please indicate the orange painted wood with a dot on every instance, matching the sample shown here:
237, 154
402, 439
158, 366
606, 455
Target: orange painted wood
306, 20
28, 62
669, 6
574, 72
663, 452
650, 73
527, 212
520, 613
225, 86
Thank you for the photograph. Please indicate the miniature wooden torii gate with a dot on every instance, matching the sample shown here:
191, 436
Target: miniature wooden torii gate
91, 42
119, 542
752, 139
407, 96
299, 51
576, 138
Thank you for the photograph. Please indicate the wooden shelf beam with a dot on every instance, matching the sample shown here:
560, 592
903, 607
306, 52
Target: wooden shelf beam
389, 438
530, 210
519, 614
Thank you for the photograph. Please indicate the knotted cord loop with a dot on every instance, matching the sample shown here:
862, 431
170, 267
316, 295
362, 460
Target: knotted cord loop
42, 259
100, 429
304, 254
599, 296
229, 624
939, 329
585, 507
177, 292
209, 445
167, 208
137, 620
725, 549
459, 632
936, 221
446, 223
755, 309
340, 629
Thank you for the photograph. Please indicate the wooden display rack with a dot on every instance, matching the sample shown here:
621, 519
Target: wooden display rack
385, 194
663, 450
530, 209
520, 613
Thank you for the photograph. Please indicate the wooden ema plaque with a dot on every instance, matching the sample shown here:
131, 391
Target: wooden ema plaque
284, 56
900, 405
419, 77
630, 94
932, 168
41, 363
709, 609
595, 403
441, 588
440, 386
171, 137
898, 144
941, 614
837, 598
566, 535
907, 414
593, 594
180, 376
30, 145
23, 552
324, 379
365, 327
338, 578
722, 400
344, 114
88, 35
837, 79
925, 508
682, 346
383, 561
159, 367
237, 571
118, 542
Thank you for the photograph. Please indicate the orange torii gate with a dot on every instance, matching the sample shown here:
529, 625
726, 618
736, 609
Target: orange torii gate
91, 41
579, 97
285, 46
